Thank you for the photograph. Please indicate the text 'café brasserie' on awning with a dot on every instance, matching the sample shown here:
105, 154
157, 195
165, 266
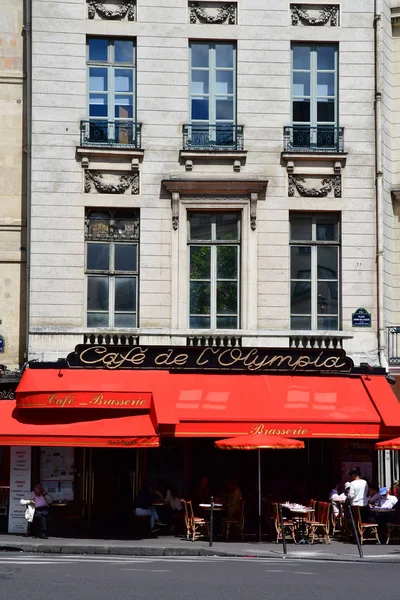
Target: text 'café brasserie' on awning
108, 417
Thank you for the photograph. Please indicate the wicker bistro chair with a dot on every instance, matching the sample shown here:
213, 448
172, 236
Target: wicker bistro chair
187, 519
392, 527
198, 526
369, 529
289, 527
237, 522
320, 527
313, 505
312, 516
337, 521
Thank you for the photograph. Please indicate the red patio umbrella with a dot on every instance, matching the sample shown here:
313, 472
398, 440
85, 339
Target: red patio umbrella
388, 445
259, 441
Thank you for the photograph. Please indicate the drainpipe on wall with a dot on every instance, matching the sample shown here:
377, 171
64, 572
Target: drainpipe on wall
27, 150
379, 186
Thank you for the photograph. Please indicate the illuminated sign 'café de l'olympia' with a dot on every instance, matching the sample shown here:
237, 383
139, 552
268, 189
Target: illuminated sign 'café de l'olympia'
115, 415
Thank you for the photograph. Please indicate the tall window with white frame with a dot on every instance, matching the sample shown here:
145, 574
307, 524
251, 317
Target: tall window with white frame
315, 271
111, 89
214, 270
213, 94
314, 95
112, 267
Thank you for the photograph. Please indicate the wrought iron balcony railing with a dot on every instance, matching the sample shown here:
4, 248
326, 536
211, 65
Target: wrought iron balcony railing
393, 345
303, 138
221, 137
103, 133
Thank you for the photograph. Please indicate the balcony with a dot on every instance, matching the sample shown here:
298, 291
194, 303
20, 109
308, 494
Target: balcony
213, 138
111, 134
304, 139
393, 345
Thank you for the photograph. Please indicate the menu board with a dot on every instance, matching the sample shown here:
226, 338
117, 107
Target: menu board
20, 487
57, 472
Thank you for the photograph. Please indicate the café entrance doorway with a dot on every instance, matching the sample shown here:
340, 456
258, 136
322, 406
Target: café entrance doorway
108, 491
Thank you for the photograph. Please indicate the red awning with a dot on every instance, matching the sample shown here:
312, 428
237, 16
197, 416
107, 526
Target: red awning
288, 405
74, 428
217, 405
389, 445
52, 388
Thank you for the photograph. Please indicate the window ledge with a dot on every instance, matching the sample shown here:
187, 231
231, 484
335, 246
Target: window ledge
312, 155
237, 156
335, 160
85, 153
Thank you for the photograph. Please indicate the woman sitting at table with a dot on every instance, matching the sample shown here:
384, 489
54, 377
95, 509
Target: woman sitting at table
202, 493
145, 508
233, 502
174, 501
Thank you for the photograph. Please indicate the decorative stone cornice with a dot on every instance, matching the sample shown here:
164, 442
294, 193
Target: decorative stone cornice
327, 14
215, 190
115, 184
219, 187
328, 184
225, 13
127, 8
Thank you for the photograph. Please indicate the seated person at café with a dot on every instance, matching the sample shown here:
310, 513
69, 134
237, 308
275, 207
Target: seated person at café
202, 493
41, 500
233, 501
385, 502
338, 499
174, 501
145, 508
383, 499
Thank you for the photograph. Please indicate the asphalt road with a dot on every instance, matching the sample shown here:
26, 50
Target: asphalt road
112, 578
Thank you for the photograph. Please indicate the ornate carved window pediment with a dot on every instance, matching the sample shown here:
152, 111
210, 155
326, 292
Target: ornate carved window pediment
111, 10
217, 13
308, 188
111, 183
315, 15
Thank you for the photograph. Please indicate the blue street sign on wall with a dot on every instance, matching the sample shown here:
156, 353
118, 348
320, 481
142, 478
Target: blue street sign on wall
361, 318
1, 344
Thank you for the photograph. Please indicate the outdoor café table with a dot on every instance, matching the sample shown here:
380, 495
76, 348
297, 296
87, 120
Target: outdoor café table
301, 512
382, 516
217, 507
60, 521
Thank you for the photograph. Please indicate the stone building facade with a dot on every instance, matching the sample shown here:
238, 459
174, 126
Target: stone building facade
203, 173
12, 188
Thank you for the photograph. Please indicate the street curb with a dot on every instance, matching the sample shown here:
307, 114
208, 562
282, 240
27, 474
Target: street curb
107, 550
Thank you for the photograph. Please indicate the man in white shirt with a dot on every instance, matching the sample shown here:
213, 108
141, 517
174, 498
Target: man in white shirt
358, 492
383, 499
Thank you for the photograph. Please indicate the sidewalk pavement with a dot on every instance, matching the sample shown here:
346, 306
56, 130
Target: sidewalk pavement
171, 546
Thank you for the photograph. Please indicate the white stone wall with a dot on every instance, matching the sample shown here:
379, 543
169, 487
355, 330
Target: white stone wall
391, 162
12, 209
162, 30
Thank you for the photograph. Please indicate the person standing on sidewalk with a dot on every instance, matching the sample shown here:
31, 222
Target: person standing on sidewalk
41, 500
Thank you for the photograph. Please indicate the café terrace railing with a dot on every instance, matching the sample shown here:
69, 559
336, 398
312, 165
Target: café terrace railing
303, 138
108, 134
222, 137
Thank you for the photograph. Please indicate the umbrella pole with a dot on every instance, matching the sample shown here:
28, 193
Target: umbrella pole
259, 496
